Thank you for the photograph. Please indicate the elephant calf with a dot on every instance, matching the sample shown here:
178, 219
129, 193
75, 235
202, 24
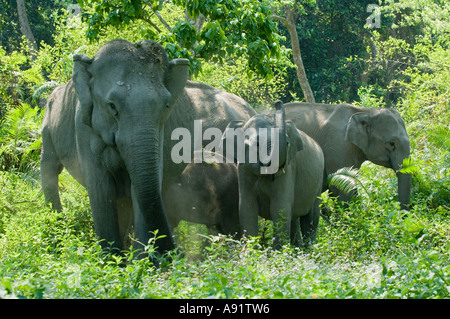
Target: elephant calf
206, 193
289, 195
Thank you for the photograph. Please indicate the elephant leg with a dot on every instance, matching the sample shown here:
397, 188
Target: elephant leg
309, 224
51, 167
248, 207
249, 219
214, 230
102, 196
125, 219
248, 216
281, 218
296, 234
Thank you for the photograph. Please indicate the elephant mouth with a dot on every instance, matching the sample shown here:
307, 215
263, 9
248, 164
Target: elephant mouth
269, 168
391, 164
395, 164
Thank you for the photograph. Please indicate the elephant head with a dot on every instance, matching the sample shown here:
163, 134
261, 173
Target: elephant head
268, 143
381, 135
126, 93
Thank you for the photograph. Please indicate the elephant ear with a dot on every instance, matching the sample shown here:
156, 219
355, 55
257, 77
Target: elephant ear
81, 78
230, 132
358, 130
295, 141
176, 78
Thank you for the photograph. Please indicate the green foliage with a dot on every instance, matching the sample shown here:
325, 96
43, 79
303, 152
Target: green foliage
331, 32
409, 55
231, 27
432, 180
409, 167
56, 60
368, 97
41, 15
16, 81
232, 76
371, 249
344, 179
20, 139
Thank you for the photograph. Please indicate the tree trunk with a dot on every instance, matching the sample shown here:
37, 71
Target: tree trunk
289, 23
297, 54
25, 28
196, 23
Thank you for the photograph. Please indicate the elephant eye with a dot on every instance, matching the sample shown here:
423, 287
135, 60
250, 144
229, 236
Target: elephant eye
392, 145
113, 109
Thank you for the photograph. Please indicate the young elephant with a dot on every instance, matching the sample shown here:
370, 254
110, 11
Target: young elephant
288, 194
206, 193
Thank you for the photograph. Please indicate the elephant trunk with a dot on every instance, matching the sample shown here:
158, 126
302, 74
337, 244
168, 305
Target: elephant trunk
143, 160
280, 123
404, 189
404, 180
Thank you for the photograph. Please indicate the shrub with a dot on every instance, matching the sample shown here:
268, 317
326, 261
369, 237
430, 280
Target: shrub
20, 140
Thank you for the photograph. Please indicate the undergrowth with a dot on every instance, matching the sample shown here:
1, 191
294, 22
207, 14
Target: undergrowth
371, 249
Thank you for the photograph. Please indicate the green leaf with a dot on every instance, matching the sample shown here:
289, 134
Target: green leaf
409, 166
345, 179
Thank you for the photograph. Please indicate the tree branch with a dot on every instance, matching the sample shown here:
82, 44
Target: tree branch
281, 19
164, 22
151, 23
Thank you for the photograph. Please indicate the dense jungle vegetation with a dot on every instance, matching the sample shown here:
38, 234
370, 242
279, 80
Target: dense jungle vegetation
370, 249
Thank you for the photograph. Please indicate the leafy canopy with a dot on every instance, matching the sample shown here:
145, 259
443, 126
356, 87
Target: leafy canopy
224, 28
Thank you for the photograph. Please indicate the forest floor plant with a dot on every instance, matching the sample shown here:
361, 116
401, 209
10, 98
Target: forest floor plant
372, 249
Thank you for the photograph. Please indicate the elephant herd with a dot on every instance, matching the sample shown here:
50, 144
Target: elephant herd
111, 127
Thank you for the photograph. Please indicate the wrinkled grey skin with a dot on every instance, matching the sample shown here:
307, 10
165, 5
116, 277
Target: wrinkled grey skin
350, 135
110, 127
206, 193
288, 197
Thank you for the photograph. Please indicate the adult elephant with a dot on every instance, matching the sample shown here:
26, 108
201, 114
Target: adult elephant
108, 127
350, 135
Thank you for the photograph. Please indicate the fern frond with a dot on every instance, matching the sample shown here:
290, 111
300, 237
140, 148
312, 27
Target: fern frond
345, 179
409, 166
19, 137
43, 88
19, 123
